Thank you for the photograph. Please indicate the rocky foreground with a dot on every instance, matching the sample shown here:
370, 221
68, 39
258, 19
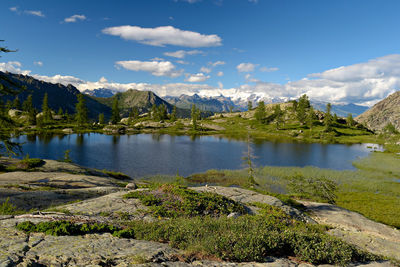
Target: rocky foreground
54, 189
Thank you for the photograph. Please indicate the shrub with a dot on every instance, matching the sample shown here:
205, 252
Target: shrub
321, 189
29, 163
6, 208
171, 200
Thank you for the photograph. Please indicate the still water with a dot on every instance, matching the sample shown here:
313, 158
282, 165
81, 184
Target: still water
148, 154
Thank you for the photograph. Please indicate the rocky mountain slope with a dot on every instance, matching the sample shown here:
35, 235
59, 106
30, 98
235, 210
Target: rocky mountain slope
382, 113
59, 96
214, 104
100, 92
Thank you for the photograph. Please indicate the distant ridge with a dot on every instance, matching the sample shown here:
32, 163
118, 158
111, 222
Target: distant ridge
100, 92
60, 96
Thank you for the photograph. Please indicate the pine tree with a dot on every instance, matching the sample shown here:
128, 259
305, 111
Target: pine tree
17, 103
47, 116
249, 105
60, 112
278, 115
328, 118
302, 107
154, 112
7, 87
101, 118
115, 116
311, 117
194, 115
260, 112
28, 104
350, 121
173, 114
81, 115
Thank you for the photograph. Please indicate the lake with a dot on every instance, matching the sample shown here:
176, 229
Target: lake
148, 154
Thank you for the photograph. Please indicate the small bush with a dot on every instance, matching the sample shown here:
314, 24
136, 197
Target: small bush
171, 200
6, 208
29, 163
320, 189
60, 228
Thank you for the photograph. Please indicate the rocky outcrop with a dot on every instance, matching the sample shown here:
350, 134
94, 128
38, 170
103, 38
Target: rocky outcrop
354, 228
247, 197
382, 113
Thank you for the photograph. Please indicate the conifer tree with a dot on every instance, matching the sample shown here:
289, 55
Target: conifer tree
350, 121
7, 87
17, 103
249, 105
278, 115
260, 112
302, 107
28, 104
47, 116
328, 118
311, 117
115, 116
173, 114
81, 115
194, 115
101, 118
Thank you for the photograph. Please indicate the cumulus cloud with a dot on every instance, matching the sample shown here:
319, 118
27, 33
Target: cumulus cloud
195, 78
216, 63
165, 35
182, 62
14, 9
205, 70
266, 69
14, 67
75, 18
38, 63
37, 13
156, 68
246, 67
364, 83
220, 74
183, 53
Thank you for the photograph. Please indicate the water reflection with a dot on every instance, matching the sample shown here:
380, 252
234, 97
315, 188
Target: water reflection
146, 154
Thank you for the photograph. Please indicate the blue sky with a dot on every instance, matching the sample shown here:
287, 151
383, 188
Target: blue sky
338, 51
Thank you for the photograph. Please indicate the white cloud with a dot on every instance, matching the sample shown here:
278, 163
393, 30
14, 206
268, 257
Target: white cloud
156, 68
217, 63
266, 69
195, 78
220, 74
246, 67
14, 9
157, 59
165, 35
220, 85
14, 67
38, 63
205, 70
253, 1
183, 53
182, 62
363, 83
75, 18
37, 13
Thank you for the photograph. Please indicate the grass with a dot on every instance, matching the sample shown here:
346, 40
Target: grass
117, 175
246, 238
373, 189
